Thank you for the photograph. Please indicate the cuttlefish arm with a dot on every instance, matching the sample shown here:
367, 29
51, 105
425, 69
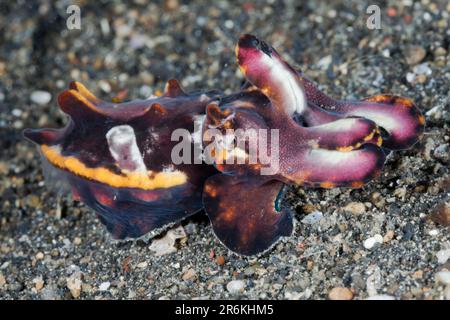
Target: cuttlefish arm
398, 116
290, 91
343, 153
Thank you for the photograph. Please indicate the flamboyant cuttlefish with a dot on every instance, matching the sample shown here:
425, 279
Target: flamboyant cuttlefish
118, 157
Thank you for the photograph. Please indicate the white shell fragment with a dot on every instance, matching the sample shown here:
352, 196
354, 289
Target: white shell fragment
443, 277
443, 256
104, 286
370, 242
40, 97
166, 244
313, 217
235, 286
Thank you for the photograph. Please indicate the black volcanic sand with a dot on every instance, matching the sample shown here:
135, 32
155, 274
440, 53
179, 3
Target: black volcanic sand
49, 244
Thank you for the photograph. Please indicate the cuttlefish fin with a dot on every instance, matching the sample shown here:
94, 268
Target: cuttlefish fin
128, 213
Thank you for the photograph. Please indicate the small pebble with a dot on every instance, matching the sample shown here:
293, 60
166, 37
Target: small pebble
373, 282
442, 152
142, 265
400, 193
220, 260
229, 24
313, 217
250, 271
414, 55
39, 256
441, 214
38, 283
308, 208
104, 286
163, 246
104, 26
443, 277
388, 236
356, 208
447, 292
177, 233
410, 77
422, 69
370, 242
440, 52
16, 112
325, 62
443, 256
418, 274
391, 11
293, 295
236, 286
131, 294
4, 167
434, 112
40, 97
166, 244
340, 294
190, 274
421, 78
378, 199
74, 284
105, 86
2, 280
137, 41
85, 287
145, 91
49, 293
171, 4
190, 228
